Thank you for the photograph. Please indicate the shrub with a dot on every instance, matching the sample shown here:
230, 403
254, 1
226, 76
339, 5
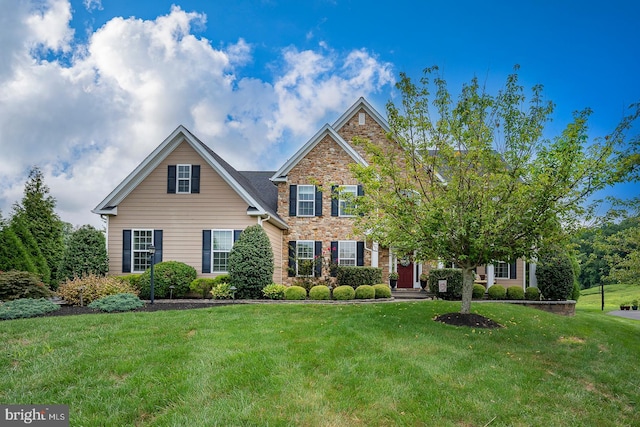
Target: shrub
344, 292
515, 292
26, 307
132, 279
365, 292
85, 253
92, 288
202, 285
382, 290
478, 291
222, 278
167, 273
532, 294
295, 293
274, 291
320, 292
118, 302
251, 262
22, 284
497, 292
453, 276
555, 274
222, 291
357, 276
575, 294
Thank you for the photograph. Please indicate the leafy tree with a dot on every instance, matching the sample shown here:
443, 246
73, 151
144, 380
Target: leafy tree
622, 251
251, 263
37, 210
474, 180
85, 253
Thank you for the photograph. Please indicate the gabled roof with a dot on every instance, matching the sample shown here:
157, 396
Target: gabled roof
260, 202
361, 103
281, 174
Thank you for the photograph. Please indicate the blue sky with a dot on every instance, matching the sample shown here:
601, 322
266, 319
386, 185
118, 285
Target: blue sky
88, 88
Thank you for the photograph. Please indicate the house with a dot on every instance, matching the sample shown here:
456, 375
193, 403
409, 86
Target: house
191, 205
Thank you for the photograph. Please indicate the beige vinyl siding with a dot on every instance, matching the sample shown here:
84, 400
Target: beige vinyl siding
182, 217
275, 237
518, 281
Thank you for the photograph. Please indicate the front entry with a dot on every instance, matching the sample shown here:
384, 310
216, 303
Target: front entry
405, 276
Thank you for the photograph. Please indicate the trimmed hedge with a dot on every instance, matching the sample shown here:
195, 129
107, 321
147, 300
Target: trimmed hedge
22, 284
515, 292
167, 273
497, 292
320, 292
93, 287
453, 276
344, 292
365, 292
118, 302
478, 291
26, 307
382, 290
357, 276
532, 293
554, 273
295, 293
202, 285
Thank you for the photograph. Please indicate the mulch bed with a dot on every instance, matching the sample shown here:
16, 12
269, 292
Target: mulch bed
70, 310
471, 320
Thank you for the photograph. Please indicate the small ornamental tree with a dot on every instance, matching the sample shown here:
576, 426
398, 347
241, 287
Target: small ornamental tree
251, 263
554, 274
86, 253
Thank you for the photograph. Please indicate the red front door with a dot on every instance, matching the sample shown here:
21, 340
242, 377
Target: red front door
405, 276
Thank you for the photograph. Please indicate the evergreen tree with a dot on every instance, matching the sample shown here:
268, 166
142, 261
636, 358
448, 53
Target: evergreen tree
85, 253
251, 263
13, 254
19, 227
37, 210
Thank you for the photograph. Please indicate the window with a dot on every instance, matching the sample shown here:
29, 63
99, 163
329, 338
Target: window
347, 253
361, 118
184, 179
142, 239
305, 258
306, 200
222, 242
346, 201
501, 270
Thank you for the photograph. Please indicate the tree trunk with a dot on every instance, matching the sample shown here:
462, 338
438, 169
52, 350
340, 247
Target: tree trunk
468, 276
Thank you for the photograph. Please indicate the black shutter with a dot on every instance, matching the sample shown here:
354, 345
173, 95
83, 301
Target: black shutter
359, 254
317, 255
206, 251
195, 179
334, 200
334, 258
236, 235
157, 243
171, 179
292, 258
293, 200
360, 190
126, 251
513, 274
318, 202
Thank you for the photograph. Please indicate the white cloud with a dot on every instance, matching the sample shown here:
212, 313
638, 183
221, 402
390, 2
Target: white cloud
89, 120
92, 5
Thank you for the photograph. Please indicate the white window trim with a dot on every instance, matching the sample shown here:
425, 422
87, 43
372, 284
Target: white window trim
313, 201
346, 189
135, 251
313, 250
213, 230
178, 179
496, 269
355, 252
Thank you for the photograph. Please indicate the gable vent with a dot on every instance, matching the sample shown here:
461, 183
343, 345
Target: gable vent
361, 119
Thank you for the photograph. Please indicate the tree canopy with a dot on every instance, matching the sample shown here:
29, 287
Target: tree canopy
474, 180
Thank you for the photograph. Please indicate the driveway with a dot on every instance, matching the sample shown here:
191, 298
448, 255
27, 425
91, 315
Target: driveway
629, 314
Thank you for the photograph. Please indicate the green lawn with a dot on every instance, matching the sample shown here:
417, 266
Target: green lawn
326, 365
614, 295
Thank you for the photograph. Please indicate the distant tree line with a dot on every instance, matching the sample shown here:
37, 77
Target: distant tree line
35, 239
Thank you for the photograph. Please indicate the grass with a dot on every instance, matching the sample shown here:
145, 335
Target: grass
326, 365
614, 295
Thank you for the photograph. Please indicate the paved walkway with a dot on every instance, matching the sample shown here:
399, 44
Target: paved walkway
629, 314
